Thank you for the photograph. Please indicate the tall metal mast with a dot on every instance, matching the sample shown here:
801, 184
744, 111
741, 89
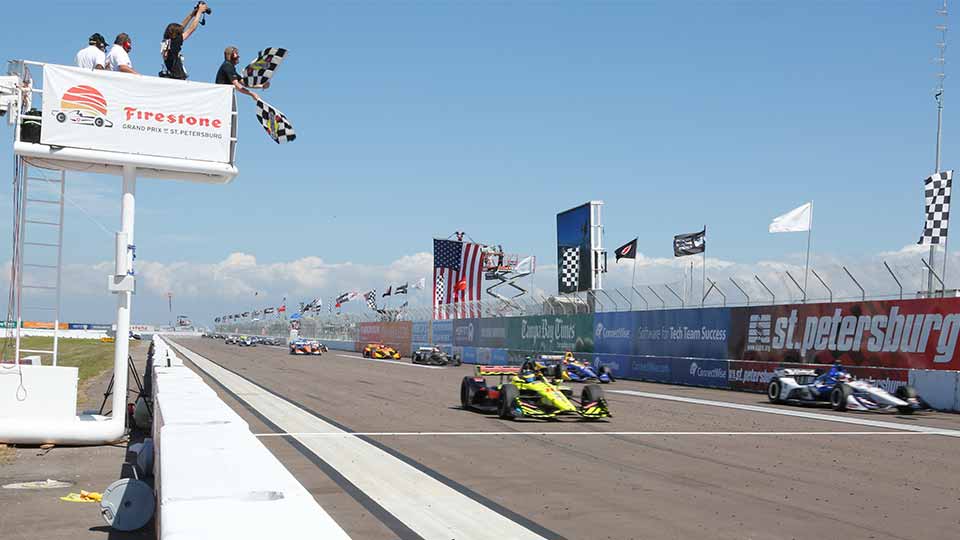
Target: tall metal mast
938, 96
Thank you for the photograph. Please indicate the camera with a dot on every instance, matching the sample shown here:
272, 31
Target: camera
203, 16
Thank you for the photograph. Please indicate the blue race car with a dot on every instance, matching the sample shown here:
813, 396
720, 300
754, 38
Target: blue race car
838, 388
568, 368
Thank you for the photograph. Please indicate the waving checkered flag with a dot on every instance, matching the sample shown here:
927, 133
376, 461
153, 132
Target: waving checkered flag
371, 298
937, 208
569, 269
261, 70
278, 127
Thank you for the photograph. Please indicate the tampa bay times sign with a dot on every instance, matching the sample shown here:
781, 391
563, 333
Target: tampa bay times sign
119, 112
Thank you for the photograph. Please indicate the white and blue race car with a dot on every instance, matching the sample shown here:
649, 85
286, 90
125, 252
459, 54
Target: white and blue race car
840, 390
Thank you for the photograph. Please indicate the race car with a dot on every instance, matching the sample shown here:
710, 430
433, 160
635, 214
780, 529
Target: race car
246, 341
80, 117
306, 346
568, 368
380, 352
434, 356
529, 394
841, 390
230, 340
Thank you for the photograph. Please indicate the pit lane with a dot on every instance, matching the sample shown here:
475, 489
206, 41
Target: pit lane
659, 469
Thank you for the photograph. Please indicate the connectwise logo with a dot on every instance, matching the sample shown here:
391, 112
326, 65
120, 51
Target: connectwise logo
611, 333
893, 332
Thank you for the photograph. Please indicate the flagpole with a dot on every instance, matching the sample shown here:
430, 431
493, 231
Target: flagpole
806, 269
703, 282
633, 281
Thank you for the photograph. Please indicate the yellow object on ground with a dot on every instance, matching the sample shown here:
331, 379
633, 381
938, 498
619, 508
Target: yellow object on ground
83, 496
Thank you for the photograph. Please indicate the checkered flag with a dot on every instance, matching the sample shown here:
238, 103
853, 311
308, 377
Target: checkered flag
276, 124
569, 269
937, 208
261, 70
371, 298
439, 293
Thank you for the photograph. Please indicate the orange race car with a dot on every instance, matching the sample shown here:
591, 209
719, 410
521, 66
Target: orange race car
380, 351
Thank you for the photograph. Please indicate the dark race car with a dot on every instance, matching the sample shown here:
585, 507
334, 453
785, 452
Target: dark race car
530, 394
568, 368
434, 356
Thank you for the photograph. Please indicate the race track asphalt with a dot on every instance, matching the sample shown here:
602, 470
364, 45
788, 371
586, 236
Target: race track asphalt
710, 471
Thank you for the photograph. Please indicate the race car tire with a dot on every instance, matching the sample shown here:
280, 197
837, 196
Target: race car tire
456, 360
98, 122
466, 392
61, 117
838, 397
773, 391
591, 393
905, 392
906, 409
508, 395
605, 370
558, 371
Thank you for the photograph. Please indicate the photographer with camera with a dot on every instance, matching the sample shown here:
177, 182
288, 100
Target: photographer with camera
173, 38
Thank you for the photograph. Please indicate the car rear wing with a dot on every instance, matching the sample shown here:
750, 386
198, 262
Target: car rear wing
491, 371
556, 357
791, 372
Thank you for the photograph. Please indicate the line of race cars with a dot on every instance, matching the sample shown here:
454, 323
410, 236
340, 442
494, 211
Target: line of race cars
538, 388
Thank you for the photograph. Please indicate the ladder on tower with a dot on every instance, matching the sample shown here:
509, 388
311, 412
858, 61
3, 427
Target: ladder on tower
38, 253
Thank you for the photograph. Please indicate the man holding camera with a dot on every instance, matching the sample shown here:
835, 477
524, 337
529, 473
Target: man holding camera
227, 74
173, 38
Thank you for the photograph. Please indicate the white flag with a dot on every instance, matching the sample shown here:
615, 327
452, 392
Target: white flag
420, 284
797, 220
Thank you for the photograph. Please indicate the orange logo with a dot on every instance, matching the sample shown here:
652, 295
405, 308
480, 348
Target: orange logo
83, 105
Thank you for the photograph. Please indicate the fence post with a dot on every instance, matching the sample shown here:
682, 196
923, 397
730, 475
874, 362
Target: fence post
616, 307
773, 297
803, 292
713, 285
894, 276
943, 287
863, 294
596, 300
669, 288
739, 288
629, 303
829, 290
645, 303
663, 305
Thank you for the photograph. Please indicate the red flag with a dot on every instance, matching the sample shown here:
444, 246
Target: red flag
281, 309
461, 285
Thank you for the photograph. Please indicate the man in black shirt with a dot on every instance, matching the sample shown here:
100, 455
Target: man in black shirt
227, 74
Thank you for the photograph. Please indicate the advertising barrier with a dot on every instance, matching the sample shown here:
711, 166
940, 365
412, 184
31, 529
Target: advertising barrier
694, 333
420, 332
555, 333
755, 376
442, 332
919, 334
710, 373
396, 334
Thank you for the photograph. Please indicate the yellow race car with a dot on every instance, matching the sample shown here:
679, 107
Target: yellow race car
380, 351
529, 394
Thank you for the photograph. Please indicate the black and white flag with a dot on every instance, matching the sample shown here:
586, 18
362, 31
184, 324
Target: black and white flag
371, 298
388, 292
627, 251
275, 123
402, 289
569, 269
937, 208
690, 243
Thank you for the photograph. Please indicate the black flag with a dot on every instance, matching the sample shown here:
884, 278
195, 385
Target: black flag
402, 289
627, 251
388, 292
690, 243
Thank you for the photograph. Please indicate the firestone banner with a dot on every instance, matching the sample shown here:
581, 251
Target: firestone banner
918, 334
118, 112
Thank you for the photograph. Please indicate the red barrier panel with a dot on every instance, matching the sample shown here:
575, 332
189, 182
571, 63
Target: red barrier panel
919, 334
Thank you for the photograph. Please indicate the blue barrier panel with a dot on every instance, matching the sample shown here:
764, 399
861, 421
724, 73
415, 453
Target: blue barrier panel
466, 332
706, 372
443, 332
682, 333
420, 333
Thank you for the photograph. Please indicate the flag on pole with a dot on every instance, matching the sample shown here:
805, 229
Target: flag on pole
402, 289
420, 284
936, 208
690, 243
457, 276
388, 292
371, 298
797, 220
627, 251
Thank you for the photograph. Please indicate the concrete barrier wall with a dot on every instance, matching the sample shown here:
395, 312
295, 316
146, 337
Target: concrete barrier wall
213, 477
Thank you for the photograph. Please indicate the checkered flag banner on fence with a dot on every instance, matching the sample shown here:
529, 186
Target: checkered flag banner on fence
371, 298
439, 293
569, 269
937, 208
261, 70
275, 123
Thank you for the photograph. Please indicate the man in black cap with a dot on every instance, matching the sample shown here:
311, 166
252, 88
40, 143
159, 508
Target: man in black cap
93, 56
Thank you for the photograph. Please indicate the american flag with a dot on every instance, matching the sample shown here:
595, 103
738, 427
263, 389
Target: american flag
457, 278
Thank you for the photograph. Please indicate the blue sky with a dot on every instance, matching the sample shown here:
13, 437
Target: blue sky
416, 119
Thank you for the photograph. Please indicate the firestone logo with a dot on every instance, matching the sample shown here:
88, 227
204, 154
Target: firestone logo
893, 332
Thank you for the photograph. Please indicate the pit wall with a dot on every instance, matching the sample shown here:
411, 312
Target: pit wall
895, 342
213, 478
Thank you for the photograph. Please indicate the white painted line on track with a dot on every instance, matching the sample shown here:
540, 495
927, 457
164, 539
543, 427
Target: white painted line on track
587, 433
798, 414
430, 508
379, 361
